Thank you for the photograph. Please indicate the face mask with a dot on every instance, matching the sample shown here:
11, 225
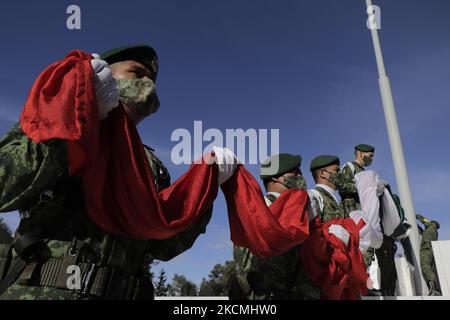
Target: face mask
337, 179
139, 95
367, 161
294, 182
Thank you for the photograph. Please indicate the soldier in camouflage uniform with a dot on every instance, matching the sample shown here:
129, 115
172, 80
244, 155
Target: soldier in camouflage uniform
364, 154
427, 264
55, 232
324, 202
279, 277
363, 158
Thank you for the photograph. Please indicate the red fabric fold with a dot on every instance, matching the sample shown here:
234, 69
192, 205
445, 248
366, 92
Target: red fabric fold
338, 269
120, 192
62, 104
118, 184
121, 197
266, 231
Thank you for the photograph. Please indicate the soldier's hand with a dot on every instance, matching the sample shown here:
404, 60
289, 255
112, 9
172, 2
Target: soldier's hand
227, 162
105, 87
340, 233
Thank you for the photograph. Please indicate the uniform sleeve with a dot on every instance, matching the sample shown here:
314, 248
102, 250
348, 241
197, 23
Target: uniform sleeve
27, 168
348, 187
167, 249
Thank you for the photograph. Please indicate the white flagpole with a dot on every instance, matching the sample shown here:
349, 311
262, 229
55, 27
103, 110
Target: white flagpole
398, 158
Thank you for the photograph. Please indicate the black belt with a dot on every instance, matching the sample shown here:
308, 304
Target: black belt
93, 279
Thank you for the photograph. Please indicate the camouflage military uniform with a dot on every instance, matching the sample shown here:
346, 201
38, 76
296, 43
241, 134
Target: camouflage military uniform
350, 199
331, 208
349, 194
427, 263
34, 180
276, 278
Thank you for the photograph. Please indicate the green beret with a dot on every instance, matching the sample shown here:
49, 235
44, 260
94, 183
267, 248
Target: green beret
365, 148
278, 164
322, 162
140, 53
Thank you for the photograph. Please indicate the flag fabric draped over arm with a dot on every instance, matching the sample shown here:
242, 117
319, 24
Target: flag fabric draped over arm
120, 193
118, 183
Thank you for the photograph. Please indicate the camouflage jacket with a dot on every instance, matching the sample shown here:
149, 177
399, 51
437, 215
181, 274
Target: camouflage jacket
348, 190
274, 278
331, 209
429, 234
34, 180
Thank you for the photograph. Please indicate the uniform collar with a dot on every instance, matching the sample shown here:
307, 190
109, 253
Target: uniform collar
328, 189
356, 163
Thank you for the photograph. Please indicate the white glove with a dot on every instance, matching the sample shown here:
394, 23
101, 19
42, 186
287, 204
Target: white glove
340, 233
105, 87
227, 162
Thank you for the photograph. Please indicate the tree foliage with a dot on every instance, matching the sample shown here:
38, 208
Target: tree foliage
181, 286
161, 286
216, 284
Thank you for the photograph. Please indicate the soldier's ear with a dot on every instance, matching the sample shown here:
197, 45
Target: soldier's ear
321, 174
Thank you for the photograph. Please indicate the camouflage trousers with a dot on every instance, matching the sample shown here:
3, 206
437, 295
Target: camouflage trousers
427, 264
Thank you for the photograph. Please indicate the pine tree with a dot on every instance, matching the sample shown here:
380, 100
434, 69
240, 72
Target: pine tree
161, 288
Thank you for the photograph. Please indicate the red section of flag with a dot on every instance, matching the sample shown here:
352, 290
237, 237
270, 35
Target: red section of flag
338, 269
120, 191
121, 197
62, 104
266, 231
118, 183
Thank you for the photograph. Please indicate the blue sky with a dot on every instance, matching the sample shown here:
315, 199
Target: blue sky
305, 67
